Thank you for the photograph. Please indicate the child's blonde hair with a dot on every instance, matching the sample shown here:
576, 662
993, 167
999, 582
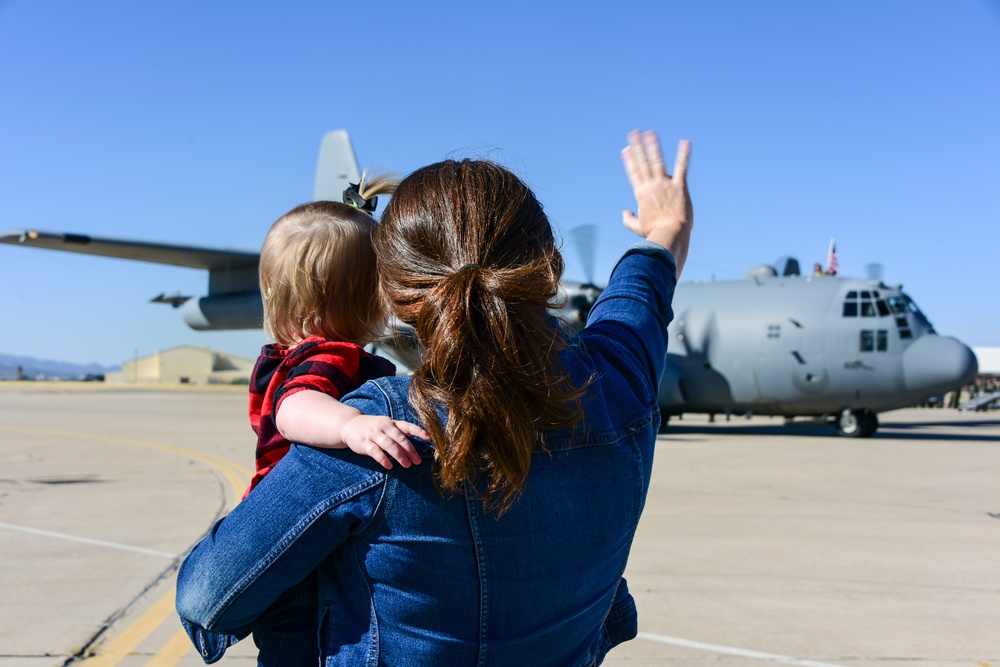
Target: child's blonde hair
318, 275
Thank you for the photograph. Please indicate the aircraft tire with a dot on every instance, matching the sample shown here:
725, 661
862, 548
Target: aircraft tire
856, 423
870, 423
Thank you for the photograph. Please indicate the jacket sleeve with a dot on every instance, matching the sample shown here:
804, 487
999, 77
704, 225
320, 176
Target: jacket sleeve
628, 323
310, 504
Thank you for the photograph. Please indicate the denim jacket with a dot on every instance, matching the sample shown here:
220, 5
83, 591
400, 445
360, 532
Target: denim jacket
410, 576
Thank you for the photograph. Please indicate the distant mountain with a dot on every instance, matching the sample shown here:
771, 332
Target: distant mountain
46, 369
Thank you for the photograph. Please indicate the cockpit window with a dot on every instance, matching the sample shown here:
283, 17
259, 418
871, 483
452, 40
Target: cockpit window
917, 314
897, 304
866, 304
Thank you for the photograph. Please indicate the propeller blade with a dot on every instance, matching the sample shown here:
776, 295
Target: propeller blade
584, 238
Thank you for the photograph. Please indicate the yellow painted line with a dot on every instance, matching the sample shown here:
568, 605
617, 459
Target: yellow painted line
119, 648
112, 653
237, 475
172, 652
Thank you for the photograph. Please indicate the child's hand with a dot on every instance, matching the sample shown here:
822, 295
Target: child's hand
377, 436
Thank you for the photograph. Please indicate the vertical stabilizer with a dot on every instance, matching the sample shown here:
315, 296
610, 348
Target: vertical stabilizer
336, 168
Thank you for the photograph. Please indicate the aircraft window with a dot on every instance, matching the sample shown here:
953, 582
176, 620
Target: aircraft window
882, 340
774, 331
883, 309
897, 304
920, 317
850, 309
875, 293
867, 340
912, 306
866, 295
867, 309
905, 333
901, 322
852, 295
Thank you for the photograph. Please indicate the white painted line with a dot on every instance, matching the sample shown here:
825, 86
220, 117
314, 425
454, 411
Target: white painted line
729, 650
86, 540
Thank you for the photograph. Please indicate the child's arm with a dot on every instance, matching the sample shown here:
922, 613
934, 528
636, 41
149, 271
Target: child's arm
319, 420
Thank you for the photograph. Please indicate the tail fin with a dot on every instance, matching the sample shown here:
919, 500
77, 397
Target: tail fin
337, 167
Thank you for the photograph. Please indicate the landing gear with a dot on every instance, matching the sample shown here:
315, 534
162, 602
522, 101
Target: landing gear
857, 423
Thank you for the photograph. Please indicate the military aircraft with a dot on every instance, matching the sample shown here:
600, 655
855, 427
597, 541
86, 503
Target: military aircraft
838, 349
843, 349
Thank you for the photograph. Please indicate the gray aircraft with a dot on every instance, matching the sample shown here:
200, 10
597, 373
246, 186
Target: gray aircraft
843, 349
838, 349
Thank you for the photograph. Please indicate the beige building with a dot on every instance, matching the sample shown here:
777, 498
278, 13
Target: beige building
186, 364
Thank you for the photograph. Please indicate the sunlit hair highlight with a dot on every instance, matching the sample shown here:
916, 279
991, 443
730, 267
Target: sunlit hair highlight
318, 273
468, 258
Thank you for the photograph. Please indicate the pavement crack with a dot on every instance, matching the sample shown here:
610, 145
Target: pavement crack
84, 652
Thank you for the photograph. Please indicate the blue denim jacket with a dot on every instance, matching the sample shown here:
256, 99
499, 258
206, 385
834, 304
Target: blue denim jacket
408, 576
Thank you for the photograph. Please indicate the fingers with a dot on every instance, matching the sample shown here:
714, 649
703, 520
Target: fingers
389, 438
663, 200
631, 163
642, 157
372, 451
651, 145
412, 429
681, 163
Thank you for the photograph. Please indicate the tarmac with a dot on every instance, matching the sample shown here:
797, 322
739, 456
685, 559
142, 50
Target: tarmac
760, 543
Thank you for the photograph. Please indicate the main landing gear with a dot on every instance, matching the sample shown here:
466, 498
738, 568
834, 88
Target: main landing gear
856, 423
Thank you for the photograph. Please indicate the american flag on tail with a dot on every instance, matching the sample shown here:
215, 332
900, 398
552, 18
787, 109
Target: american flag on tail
831, 259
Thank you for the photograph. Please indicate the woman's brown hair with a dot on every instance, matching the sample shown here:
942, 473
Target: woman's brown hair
467, 256
318, 273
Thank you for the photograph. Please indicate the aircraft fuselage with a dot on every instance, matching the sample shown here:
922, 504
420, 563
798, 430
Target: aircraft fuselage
804, 345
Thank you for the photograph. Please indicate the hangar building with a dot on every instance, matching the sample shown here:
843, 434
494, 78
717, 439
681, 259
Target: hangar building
186, 364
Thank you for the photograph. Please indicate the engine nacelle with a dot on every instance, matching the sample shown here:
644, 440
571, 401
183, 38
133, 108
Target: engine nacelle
244, 310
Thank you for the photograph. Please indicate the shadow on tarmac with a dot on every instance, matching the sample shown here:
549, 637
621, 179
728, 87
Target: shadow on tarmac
888, 430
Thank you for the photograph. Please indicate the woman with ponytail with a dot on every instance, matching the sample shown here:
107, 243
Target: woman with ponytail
508, 543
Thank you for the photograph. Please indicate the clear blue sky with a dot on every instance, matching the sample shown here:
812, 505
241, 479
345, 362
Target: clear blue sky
199, 123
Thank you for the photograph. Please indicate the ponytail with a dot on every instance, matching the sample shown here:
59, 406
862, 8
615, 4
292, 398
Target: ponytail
467, 257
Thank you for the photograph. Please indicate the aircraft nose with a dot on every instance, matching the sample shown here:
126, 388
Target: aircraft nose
934, 364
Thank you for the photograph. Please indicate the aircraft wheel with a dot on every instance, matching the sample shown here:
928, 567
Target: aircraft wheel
856, 423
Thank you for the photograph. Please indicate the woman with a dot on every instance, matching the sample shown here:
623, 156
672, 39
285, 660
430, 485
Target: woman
508, 544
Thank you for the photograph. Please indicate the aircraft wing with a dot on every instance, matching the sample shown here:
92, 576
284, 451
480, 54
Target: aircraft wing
193, 257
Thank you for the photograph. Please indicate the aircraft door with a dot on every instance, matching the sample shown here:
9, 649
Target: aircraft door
790, 363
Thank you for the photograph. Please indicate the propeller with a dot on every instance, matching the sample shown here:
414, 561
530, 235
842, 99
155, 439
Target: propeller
696, 337
584, 238
580, 298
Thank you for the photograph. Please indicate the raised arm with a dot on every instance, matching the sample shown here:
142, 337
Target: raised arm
664, 204
628, 324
